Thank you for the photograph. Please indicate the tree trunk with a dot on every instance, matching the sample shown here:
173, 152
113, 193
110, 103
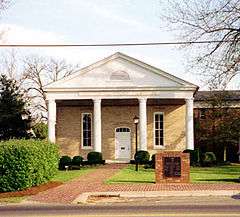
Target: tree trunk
225, 153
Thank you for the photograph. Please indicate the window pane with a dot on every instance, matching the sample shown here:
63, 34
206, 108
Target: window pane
161, 141
161, 117
84, 134
161, 125
89, 134
84, 142
156, 141
161, 133
86, 129
158, 127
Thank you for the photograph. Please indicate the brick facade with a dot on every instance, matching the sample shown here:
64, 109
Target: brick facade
185, 167
68, 128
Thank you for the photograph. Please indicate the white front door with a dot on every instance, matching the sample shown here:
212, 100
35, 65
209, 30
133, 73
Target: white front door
123, 143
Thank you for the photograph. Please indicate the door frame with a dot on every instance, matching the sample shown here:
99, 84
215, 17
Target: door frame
130, 148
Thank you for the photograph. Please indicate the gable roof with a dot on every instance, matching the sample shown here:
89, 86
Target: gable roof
81, 78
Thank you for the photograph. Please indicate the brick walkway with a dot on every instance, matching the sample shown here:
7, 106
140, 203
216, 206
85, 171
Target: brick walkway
94, 182
90, 182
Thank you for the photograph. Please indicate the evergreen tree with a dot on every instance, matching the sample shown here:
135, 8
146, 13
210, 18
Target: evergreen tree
14, 117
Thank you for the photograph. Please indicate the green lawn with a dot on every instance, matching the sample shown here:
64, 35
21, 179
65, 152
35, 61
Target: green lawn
12, 199
65, 176
129, 175
223, 174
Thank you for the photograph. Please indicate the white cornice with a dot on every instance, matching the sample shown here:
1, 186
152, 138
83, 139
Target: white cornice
118, 89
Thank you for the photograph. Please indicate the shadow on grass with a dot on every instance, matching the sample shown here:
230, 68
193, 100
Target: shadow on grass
132, 181
220, 180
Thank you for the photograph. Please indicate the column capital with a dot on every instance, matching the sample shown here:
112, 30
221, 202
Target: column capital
142, 100
189, 99
97, 100
51, 101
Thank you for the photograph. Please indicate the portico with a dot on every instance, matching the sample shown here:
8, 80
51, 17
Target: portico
93, 108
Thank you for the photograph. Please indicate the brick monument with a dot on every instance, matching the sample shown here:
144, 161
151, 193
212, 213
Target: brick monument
172, 167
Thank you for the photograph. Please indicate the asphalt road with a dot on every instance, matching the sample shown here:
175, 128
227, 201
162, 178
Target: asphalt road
174, 206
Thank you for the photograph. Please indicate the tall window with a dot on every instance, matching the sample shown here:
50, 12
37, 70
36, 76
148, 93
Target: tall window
86, 130
158, 129
203, 113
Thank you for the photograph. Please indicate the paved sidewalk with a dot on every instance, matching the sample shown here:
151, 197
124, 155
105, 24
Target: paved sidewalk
94, 182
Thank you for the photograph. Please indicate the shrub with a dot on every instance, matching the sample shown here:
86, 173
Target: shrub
194, 156
77, 160
94, 157
151, 164
142, 157
26, 163
209, 159
64, 161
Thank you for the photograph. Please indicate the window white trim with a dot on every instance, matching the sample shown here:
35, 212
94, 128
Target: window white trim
82, 115
154, 145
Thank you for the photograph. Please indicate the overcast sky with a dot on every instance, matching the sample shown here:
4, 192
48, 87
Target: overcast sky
95, 21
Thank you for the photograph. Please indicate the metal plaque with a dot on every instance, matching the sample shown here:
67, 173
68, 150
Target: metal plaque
172, 166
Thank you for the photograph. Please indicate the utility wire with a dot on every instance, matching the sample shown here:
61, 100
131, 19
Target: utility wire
117, 44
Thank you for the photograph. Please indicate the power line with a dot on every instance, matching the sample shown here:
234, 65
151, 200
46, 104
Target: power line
116, 44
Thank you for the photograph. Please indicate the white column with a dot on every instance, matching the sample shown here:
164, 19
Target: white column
97, 129
189, 124
51, 120
143, 124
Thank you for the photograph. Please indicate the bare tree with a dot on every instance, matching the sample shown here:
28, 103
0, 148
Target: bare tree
4, 4
213, 20
39, 71
32, 73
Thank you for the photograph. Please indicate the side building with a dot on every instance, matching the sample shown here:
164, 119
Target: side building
216, 121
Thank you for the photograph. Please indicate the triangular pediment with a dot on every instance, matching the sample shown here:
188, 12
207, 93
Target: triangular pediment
119, 71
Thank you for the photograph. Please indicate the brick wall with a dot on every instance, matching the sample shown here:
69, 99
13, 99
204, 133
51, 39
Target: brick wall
185, 167
68, 128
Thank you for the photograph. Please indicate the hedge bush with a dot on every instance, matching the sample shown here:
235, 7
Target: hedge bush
64, 161
26, 163
209, 159
77, 160
94, 157
142, 157
195, 156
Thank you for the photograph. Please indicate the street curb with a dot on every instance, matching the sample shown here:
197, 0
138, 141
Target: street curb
82, 198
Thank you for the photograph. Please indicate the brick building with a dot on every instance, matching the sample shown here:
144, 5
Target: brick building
204, 103
93, 109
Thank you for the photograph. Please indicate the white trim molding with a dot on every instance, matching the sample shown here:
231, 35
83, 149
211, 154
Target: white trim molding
189, 124
143, 123
82, 146
52, 113
97, 125
154, 143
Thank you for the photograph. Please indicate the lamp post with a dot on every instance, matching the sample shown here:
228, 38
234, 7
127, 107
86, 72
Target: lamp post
136, 120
